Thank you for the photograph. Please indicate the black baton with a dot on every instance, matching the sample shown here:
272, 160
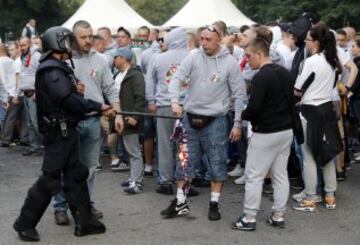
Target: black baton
144, 114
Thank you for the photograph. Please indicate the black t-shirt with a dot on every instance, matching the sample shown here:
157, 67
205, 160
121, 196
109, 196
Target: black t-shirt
269, 109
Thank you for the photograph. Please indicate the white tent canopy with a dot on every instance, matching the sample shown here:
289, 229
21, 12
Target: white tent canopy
110, 13
198, 13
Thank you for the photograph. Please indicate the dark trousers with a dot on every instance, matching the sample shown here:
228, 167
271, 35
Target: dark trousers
61, 158
14, 113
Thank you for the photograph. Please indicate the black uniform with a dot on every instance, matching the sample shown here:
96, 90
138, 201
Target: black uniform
59, 109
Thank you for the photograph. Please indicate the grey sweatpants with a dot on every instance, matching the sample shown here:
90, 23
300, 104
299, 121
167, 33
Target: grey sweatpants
166, 148
310, 170
267, 152
133, 148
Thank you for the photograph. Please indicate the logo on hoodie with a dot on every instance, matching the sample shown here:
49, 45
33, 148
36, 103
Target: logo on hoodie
214, 78
171, 72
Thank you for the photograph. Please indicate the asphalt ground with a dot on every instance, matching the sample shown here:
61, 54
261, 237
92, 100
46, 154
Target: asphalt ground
135, 219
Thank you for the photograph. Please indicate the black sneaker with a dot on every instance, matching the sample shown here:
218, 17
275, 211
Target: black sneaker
148, 173
4, 144
340, 176
240, 224
175, 210
99, 167
31, 152
61, 218
296, 183
95, 227
125, 184
214, 213
267, 189
134, 188
193, 192
165, 190
276, 224
27, 235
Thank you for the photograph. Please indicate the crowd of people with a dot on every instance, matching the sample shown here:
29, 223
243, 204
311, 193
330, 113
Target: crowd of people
273, 106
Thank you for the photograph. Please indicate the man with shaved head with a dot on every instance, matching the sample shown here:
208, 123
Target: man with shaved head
30, 57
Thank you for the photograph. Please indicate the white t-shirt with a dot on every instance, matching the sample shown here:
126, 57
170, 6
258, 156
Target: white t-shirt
119, 78
343, 59
17, 65
287, 54
321, 89
7, 74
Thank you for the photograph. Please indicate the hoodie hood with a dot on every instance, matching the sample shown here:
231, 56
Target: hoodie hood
223, 53
155, 47
176, 39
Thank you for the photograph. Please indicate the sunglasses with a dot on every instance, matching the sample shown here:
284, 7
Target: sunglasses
212, 29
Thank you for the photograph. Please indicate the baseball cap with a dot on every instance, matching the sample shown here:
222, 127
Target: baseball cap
123, 52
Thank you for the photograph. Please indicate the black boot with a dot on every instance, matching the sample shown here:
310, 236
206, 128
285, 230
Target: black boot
35, 204
27, 235
95, 227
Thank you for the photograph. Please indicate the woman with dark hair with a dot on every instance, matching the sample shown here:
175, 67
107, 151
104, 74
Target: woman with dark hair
314, 84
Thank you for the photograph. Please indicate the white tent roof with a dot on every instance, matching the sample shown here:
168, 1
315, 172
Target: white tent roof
110, 13
198, 13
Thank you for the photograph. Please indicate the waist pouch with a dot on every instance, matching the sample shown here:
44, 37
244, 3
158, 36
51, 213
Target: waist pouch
198, 121
29, 93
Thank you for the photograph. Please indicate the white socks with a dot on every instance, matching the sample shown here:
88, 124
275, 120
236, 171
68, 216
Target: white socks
148, 168
215, 196
180, 196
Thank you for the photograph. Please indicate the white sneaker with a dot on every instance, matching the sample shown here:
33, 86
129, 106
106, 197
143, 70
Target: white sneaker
114, 162
240, 181
237, 171
120, 167
301, 196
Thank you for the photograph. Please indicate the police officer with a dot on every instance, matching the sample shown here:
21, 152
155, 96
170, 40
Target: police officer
60, 106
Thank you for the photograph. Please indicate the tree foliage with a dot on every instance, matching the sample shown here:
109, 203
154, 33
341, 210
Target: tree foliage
15, 13
159, 11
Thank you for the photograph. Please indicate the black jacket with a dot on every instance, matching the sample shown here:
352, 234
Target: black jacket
322, 132
56, 94
355, 88
132, 98
269, 109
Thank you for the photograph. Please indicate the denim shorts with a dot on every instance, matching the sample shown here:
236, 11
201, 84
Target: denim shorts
149, 129
213, 142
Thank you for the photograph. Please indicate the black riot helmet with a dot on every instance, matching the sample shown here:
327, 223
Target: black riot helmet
57, 39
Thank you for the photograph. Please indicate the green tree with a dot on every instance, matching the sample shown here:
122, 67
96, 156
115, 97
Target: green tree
14, 14
159, 11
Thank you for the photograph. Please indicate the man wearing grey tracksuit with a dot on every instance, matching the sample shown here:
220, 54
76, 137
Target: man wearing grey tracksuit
270, 112
157, 95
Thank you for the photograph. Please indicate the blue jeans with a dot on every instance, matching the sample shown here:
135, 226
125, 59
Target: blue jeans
35, 138
213, 142
90, 143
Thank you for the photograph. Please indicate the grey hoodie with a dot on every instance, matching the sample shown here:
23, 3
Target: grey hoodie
213, 81
165, 66
148, 54
92, 69
27, 74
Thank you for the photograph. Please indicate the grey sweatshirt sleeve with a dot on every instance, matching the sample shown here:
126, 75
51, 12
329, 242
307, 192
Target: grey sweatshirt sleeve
238, 92
108, 86
181, 74
151, 81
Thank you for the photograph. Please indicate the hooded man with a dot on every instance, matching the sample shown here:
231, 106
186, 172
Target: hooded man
157, 94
